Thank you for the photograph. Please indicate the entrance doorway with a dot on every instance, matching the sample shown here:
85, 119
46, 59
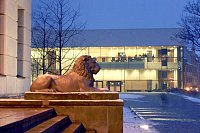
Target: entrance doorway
98, 84
114, 86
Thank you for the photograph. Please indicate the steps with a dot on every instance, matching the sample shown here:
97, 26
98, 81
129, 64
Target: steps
90, 131
21, 119
75, 127
37, 120
53, 125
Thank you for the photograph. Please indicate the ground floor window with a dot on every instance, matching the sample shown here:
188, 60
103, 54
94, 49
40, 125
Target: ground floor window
136, 85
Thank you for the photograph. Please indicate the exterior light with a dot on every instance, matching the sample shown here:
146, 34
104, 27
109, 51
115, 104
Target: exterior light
146, 127
187, 89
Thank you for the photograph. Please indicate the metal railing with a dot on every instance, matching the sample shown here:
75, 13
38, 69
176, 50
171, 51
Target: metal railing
138, 62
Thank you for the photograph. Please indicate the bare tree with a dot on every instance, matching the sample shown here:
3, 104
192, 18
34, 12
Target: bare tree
42, 40
55, 24
63, 21
190, 24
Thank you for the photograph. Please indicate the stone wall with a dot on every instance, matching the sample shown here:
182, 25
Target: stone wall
15, 41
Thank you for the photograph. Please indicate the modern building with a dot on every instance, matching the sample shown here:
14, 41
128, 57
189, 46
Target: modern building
15, 41
131, 59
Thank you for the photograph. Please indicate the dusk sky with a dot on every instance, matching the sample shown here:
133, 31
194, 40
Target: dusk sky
128, 14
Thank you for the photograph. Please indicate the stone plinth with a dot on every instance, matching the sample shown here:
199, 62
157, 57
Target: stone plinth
105, 116
96, 110
71, 96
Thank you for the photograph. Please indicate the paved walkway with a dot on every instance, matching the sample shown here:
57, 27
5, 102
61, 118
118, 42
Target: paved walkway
164, 112
134, 124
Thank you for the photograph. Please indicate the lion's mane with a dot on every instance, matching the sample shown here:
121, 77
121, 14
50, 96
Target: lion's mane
81, 67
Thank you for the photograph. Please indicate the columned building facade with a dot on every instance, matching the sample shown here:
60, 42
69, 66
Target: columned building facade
15, 42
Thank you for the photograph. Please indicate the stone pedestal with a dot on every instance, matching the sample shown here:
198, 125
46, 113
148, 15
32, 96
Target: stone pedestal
71, 96
102, 111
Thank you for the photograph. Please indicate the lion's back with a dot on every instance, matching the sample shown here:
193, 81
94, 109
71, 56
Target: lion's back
68, 83
41, 82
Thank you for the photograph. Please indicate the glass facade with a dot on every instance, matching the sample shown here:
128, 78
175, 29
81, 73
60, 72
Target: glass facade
133, 68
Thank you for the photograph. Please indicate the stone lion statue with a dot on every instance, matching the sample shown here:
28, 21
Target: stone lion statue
79, 79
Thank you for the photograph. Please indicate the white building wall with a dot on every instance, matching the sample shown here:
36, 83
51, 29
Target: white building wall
14, 44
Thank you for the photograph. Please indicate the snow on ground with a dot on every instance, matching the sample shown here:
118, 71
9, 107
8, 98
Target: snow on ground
133, 124
193, 99
126, 95
131, 97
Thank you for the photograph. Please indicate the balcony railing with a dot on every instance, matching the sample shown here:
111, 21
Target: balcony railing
138, 62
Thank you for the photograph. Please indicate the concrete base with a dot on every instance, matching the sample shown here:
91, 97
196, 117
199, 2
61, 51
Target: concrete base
96, 110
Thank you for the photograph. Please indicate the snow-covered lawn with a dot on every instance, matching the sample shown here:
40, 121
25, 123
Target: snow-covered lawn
193, 99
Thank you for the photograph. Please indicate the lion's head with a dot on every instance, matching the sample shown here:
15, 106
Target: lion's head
86, 66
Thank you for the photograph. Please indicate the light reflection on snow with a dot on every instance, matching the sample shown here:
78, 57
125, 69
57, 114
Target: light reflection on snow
145, 108
154, 112
171, 119
155, 115
132, 123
